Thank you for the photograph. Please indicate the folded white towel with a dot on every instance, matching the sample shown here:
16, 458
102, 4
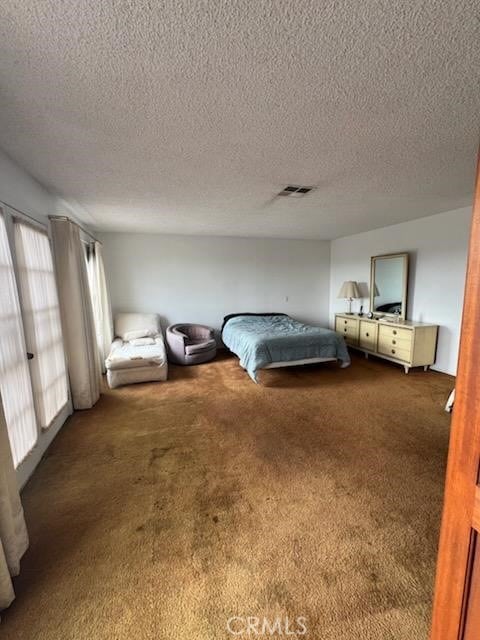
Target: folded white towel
140, 342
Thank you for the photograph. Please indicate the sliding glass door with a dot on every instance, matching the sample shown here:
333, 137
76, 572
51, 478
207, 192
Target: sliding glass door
41, 313
15, 384
33, 377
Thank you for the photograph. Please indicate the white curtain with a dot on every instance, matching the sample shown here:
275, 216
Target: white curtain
15, 385
13, 531
43, 331
102, 311
76, 312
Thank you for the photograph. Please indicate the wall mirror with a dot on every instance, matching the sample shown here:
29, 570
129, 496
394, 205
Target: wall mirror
388, 285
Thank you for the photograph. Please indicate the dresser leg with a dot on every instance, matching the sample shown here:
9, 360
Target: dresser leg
407, 368
366, 355
425, 368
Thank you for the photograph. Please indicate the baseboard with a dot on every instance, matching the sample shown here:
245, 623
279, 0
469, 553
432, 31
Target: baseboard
28, 466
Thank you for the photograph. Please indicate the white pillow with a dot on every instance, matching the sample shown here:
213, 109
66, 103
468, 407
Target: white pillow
140, 342
128, 336
125, 322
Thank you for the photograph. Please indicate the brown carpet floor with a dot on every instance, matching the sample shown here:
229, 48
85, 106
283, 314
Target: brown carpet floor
170, 507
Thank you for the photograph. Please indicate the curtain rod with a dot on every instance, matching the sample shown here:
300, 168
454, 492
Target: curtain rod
22, 213
26, 215
78, 225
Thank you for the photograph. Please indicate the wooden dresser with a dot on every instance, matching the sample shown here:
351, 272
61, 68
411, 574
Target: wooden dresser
411, 344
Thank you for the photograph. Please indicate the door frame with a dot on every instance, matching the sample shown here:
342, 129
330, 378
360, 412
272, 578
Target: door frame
461, 510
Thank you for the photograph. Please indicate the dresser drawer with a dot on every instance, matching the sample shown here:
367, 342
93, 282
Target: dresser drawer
348, 328
395, 333
349, 323
395, 352
395, 342
368, 335
350, 334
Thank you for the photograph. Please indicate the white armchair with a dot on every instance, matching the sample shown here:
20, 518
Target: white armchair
138, 351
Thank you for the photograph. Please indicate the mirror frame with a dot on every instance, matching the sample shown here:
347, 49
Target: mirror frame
373, 261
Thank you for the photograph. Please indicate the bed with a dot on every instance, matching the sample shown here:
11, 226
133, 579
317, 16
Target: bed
269, 340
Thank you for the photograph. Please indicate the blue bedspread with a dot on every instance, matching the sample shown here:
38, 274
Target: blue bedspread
263, 339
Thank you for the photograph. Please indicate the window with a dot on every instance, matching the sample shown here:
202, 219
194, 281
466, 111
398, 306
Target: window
41, 315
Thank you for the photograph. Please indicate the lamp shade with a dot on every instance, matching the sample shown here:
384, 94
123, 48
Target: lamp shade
349, 289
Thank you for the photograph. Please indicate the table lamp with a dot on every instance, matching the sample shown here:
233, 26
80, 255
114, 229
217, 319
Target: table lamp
349, 291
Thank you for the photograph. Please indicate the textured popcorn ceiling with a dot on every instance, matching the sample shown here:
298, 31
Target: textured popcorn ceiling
189, 116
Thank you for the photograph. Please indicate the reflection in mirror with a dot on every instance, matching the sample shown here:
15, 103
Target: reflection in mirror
388, 284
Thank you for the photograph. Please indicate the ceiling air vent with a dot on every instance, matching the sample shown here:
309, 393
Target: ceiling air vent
295, 191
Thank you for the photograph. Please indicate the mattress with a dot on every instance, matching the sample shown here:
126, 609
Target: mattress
124, 355
260, 340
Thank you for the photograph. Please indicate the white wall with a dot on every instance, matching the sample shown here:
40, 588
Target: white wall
22, 192
438, 254
201, 279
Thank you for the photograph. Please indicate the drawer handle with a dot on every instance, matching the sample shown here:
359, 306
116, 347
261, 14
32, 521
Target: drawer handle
345, 321
394, 332
345, 329
393, 350
367, 334
394, 342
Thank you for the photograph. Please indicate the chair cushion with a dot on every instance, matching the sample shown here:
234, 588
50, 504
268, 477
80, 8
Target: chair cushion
146, 323
124, 355
198, 347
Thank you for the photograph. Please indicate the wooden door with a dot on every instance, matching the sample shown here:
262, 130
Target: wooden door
456, 611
